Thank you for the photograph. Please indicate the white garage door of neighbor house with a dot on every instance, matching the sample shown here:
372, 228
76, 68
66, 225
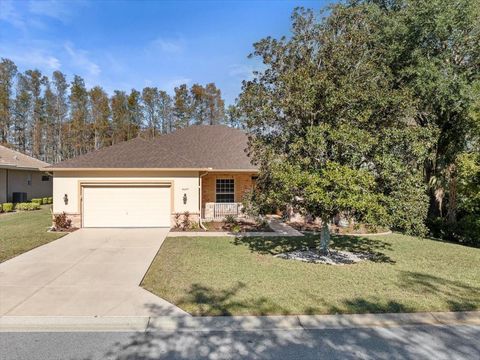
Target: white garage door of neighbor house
126, 206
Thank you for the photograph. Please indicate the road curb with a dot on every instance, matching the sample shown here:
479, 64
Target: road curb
72, 323
230, 323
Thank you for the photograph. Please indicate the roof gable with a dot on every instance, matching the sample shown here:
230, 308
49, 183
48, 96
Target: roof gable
13, 159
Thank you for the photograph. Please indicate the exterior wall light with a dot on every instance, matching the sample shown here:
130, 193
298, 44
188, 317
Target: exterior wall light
65, 199
185, 199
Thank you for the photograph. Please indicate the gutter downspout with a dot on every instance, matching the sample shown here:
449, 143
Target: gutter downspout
6, 185
200, 200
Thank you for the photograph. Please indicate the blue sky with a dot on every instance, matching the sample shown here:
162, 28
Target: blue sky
133, 44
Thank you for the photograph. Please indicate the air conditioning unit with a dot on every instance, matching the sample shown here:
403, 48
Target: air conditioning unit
18, 197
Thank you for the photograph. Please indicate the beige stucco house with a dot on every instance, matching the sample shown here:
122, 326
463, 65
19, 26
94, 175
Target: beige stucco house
21, 178
203, 170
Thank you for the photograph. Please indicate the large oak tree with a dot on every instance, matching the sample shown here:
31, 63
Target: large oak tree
349, 114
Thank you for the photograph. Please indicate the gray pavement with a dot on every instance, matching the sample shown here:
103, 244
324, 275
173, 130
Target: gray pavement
399, 342
90, 272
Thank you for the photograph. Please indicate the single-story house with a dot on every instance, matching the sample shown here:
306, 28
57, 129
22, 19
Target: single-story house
202, 170
21, 177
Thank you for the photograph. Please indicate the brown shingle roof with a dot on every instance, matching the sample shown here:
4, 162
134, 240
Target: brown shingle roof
13, 159
195, 147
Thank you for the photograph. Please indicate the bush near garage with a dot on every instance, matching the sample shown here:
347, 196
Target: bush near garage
50, 200
27, 206
7, 207
37, 201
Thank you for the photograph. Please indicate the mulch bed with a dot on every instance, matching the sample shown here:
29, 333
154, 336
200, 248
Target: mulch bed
217, 226
69, 230
334, 257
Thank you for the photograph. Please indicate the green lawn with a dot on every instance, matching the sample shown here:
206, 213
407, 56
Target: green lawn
23, 231
226, 276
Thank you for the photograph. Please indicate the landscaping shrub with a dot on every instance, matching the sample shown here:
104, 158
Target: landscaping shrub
230, 220
194, 226
236, 228
37, 201
45, 201
262, 222
186, 221
62, 222
467, 230
27, 206
7, 207
177, 218
464, 231
50, 200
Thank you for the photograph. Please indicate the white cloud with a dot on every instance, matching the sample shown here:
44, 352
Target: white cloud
114, 63
171, 84
80, 58
168, 46
32, 58
59, 10
9, 14
52, 62
243, 71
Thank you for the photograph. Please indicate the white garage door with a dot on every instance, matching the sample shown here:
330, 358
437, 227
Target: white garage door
126, 206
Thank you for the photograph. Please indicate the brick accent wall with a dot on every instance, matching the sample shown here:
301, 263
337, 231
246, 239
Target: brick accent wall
243, 183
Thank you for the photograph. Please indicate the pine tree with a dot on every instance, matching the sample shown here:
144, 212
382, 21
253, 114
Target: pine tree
135, 115
199, 104
78, 117
49, 130
60, 88
150, 100
119, 106
35, 82
22, 110
182, 107
165, 108
8, 71
214, 104
99, 109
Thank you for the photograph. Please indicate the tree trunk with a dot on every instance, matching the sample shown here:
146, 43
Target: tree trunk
452, 197
324, 238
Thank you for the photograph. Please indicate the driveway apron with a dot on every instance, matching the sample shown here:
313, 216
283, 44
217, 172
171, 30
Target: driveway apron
90, 272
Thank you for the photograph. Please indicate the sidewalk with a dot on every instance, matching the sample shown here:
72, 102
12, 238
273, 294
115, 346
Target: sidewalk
232, 323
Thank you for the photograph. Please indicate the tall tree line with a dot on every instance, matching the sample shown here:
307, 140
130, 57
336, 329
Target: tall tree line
54, 119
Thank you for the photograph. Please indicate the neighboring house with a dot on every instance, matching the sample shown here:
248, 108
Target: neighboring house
203, 170
21, 178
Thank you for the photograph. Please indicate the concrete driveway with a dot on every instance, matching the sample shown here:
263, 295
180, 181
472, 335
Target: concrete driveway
91, 272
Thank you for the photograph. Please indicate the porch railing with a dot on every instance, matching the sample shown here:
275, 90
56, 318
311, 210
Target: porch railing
218, 211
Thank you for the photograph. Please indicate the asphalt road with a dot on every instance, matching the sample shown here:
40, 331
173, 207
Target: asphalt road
407, 342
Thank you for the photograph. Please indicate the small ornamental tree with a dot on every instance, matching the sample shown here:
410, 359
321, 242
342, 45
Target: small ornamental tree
333, 190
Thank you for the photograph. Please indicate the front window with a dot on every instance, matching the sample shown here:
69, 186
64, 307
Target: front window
225, 191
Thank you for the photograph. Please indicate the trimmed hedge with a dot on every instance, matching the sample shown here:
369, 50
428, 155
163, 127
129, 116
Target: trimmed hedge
37, 201
50, 200
45, 200
27, 206
7, 207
